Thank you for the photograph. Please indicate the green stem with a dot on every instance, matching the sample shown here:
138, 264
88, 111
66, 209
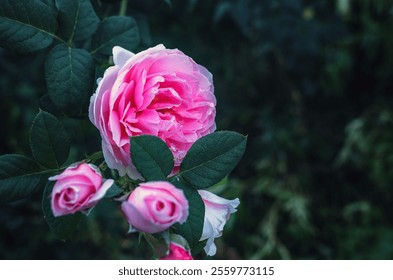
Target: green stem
94, 157
126, 183
103, 166
123, 7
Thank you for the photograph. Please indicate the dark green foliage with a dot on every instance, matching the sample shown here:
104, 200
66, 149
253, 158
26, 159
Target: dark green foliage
77, 19
69, 74
151, 156
211, 158
26, 25
58, 36
309, 82
19, 177
49, 141
115, 31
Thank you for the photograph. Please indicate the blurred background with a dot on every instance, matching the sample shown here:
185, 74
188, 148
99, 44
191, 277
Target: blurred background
309, 82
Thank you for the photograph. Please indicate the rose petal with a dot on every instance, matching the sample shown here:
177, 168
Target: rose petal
217, 213
121, 56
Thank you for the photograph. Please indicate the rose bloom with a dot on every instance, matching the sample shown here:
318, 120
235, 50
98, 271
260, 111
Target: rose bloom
155, 206
217, 212
177, 252
78, 188
160, 92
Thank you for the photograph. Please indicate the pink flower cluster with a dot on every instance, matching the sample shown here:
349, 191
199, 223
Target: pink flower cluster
152, 207
159, 92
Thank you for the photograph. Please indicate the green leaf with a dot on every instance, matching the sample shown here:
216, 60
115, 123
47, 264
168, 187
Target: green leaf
211, 158
26, 25
220, 186
151, 157
198, 247
19, 177
49, 141
113, 191
159, 243
192, 229
63, 226
69, 74
46, 104
115, 31
50, 4
77, 19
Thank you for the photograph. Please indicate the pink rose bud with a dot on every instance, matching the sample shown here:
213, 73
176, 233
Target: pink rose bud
160, 92
217, 212
155, 206
78, 188
177, 252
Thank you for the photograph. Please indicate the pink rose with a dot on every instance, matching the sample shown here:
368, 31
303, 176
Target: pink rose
78, 188
217, 212
155, 206
177, 252
160, 92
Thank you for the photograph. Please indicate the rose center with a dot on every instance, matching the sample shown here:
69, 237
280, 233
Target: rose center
159, 205
70, 195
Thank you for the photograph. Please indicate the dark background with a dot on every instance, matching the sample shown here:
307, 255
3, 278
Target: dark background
309, 82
